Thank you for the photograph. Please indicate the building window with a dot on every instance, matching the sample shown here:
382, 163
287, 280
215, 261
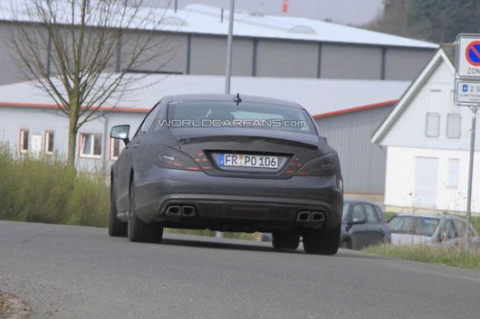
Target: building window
432, 127
23, 141
49, 142
116, 147
453, 173
454, 125
90, 145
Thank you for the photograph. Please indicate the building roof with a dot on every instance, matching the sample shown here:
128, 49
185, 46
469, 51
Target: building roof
410, 93
318, 96
203, 19
355, 109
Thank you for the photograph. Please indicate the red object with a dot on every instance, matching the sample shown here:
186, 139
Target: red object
285, 6
471, 47
355, 109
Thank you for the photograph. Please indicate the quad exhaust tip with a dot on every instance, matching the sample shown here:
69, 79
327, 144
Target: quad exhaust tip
307, 217
181, 210
188, 211
304, 217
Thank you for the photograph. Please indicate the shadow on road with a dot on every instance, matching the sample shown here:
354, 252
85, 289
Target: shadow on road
224, 245
190, 242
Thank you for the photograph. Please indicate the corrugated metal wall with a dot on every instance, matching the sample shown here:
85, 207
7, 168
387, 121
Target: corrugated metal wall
205, 54
363, 164
405, 64
208, 54
287, 59
351, 62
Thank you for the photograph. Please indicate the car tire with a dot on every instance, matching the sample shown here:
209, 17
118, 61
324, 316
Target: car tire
116, 228
139, 231
322, 242
283, 241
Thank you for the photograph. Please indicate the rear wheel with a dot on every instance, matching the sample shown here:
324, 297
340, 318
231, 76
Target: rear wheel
138, 231
285, 241
321, 242
116, 228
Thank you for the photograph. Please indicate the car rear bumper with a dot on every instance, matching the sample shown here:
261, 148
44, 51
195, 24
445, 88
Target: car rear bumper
237, 204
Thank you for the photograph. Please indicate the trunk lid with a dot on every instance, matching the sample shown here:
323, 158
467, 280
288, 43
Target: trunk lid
210, 147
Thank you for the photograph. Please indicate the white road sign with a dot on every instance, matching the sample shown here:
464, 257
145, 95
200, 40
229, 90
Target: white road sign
467, 93
468, 56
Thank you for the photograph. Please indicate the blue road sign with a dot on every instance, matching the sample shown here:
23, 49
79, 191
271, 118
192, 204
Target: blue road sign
473, 53
465, 88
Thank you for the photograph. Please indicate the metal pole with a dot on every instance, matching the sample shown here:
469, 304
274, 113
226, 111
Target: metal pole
228, 71
470, 172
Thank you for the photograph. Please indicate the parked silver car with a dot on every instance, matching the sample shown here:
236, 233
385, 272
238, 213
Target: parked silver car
430, 229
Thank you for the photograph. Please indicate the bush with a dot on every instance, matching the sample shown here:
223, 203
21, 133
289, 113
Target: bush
45, 190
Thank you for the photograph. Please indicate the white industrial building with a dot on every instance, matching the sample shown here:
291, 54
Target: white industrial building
427, 138
193, 41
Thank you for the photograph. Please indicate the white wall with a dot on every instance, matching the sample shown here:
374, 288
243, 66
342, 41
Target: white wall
435, 96
400, 181
38, 121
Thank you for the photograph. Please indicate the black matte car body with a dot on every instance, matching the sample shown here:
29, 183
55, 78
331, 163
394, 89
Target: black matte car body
361, 231
170, 177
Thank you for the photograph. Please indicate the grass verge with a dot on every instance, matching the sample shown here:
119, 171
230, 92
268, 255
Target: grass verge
454, 256
44, 189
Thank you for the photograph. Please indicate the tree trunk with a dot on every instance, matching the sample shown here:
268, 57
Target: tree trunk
72, 140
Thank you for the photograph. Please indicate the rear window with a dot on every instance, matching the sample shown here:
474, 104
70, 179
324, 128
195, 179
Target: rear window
424, 226
215, 114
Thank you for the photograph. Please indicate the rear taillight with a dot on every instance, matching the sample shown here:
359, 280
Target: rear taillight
322, 166
171, 158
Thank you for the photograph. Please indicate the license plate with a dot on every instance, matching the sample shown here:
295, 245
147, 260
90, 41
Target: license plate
245, 160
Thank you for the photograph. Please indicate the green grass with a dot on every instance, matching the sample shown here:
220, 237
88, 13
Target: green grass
388, 215
46, 190
455, 256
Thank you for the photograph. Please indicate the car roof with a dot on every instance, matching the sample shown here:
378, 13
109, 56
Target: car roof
230, 97
437, 216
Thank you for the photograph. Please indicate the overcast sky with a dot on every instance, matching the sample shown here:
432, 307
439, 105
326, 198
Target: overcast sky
354, 12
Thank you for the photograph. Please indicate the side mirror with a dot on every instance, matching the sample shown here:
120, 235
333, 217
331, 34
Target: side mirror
121, 132
358, 221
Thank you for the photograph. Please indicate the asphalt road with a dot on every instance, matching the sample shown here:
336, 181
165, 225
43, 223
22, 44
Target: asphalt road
79, 272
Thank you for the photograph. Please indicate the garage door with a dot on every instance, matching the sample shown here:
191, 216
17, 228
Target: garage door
426, 172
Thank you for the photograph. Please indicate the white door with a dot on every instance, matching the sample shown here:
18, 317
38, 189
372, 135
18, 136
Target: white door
426, 172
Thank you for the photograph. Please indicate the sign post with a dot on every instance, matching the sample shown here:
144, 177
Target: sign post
467, 93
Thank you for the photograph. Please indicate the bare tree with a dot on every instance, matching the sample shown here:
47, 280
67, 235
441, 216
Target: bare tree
71, 49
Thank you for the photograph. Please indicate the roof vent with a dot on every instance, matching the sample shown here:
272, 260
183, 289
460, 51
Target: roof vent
174, 21
302, 29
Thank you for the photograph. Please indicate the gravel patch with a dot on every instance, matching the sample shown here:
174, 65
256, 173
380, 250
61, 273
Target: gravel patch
12, 307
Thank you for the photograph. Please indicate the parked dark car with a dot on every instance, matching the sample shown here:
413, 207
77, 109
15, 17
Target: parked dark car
228, 163
363, 224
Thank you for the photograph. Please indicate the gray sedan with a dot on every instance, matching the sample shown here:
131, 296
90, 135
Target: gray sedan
228, 163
